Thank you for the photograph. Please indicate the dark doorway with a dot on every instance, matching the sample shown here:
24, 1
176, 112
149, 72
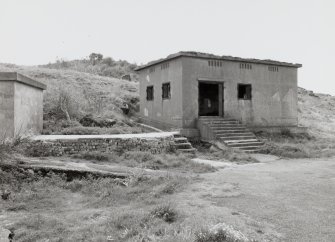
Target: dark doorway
209, 104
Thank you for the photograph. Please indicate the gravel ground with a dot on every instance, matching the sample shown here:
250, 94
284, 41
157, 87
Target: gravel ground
275, 200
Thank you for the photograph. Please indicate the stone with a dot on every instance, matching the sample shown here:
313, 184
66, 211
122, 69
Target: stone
4, 235
60, 146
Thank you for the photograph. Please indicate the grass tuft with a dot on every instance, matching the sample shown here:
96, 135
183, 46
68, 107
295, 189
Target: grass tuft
147, 160
296, 145
165, 212
220, 233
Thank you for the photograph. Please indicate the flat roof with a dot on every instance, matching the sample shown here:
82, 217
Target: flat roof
14, 76
217, 57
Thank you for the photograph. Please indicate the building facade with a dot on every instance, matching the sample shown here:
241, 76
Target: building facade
177, 90
21, 105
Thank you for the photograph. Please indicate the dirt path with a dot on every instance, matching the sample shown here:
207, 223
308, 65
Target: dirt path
275, 200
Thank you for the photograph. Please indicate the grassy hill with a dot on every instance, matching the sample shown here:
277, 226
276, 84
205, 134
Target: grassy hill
97, 65
317, 113
87, 93
104, 96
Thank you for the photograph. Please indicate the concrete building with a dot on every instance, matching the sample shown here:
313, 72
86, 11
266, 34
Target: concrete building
21, 105
177, 90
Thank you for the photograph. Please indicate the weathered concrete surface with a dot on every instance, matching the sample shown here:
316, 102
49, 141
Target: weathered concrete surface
28, 106
162, 113
58, 145
7, 126
217, 164
21, 105
274, 93
277, 200
113, 136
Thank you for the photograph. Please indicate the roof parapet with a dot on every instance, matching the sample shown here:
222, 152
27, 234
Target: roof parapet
211, 56
14, 76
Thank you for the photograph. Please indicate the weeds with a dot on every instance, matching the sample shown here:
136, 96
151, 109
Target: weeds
288, 150
220, 233
166, 213
75, 128
144, 159
103, 66
170, 187
296, 145
220, 151
94, 156
7, 146
88, 209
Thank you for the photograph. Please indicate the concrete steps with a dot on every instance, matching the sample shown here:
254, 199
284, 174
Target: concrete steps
236, 128
182, 144
236, 137
219, 122
232, 133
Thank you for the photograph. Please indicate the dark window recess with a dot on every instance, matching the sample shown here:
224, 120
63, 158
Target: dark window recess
245, 66
166, 94
273, 68
244, 91
165, 66
152, 69
150, 93
215, 63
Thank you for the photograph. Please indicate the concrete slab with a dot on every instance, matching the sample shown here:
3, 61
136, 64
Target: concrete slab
263, 158
214, 163
84, 167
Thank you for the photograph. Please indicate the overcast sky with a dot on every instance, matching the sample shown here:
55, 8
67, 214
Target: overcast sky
301, 31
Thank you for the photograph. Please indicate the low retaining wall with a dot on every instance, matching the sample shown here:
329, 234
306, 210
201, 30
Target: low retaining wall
68, 145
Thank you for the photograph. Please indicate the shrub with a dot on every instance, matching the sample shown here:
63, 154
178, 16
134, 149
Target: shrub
7, 146
286, 133
97, 65
220, 233
207, 236
166, 213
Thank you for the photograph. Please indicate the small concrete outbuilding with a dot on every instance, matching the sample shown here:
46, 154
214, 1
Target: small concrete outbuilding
186, 88
21, 105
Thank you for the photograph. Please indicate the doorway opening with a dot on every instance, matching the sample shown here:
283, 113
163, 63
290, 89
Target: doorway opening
210, 99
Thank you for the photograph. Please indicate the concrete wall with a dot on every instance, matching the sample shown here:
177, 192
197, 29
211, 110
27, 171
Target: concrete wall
162, 113
6, 109
61, 147
21, 105
274, 94
28, 106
